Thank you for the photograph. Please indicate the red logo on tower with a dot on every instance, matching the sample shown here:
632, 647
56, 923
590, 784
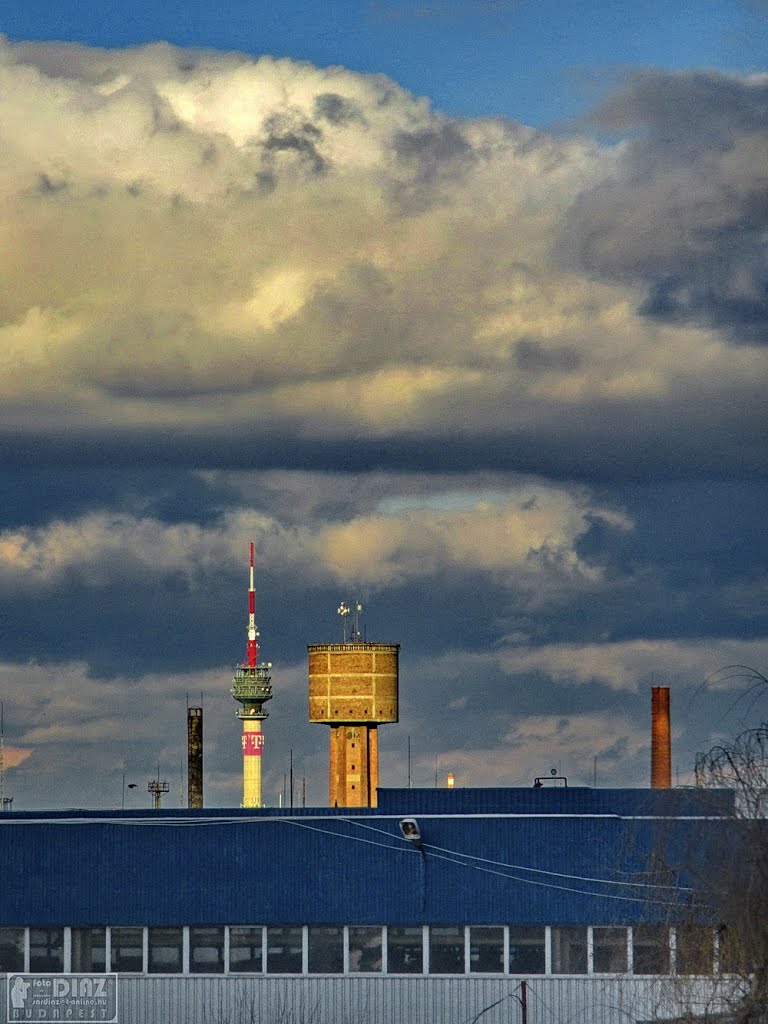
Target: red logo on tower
253, 742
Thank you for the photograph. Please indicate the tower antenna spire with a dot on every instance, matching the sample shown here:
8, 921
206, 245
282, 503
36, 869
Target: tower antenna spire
253, 644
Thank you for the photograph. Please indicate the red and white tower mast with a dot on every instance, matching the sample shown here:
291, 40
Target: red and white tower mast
252, 687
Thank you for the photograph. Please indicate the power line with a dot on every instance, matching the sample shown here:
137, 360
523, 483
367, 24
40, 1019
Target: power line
538, 871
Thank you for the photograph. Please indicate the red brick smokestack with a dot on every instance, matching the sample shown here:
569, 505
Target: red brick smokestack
661, 749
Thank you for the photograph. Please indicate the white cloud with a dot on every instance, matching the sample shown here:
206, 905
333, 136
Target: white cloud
527, 536
632, 664
626, 665
205, 241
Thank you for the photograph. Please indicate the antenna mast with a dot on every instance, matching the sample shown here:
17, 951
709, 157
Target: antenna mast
156, 787
357, 636
343, 611
253, 646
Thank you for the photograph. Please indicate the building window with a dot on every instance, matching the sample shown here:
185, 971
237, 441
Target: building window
365, 949
527, 949
569, 950
11, 949
405, 950
284, 950
127, 950
446, 949
206, 950
609, 950
245, 950
166, 950
46, 949
650, 949
89, 950
326, 950
694, 949
486, 949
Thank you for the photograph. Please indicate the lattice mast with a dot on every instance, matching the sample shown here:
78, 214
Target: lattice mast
157, 787
252, 687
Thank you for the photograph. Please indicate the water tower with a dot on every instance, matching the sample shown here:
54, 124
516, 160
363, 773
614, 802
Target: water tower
353, 688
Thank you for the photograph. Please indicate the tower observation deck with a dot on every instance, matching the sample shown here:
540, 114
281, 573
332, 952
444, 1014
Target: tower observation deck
252, 687
353, 688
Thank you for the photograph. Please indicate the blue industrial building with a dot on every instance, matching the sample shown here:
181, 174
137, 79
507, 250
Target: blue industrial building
221, 915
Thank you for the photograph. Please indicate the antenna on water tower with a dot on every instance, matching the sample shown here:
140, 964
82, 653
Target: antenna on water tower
343, 612
356, 636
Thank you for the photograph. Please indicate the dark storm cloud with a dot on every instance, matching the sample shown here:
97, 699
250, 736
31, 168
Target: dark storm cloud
33, 497
723, 438
289, 133
434, 152
337, 109
533, 357
686, 213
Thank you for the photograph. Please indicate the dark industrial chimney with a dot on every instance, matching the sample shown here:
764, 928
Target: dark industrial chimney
194, 757
661, 748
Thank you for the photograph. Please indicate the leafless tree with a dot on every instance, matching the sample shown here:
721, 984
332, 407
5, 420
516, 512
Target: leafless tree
733, 882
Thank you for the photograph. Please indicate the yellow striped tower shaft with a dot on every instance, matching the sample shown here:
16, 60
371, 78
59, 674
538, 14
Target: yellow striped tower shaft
253, 743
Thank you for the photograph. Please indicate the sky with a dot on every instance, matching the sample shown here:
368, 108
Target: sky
458, 309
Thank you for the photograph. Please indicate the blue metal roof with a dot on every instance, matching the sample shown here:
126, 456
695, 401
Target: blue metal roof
343, 866
560, 800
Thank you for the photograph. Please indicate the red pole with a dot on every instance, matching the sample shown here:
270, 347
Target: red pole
253, 647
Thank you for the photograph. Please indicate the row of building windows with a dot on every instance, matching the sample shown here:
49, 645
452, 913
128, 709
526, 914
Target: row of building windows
354, 949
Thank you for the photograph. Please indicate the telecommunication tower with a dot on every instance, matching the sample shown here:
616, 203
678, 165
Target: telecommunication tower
353, 688
252, 687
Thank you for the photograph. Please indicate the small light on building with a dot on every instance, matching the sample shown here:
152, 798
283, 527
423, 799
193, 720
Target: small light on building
410, 830
450, 781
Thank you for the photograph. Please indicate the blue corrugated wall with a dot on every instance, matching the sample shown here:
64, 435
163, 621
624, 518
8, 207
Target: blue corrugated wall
321, 866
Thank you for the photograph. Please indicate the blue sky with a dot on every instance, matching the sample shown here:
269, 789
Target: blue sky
539, 61
458, 308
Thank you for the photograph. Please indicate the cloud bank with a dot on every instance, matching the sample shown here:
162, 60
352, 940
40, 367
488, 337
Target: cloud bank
211, 251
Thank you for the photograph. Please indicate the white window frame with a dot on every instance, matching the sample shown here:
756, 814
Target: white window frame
226, 950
